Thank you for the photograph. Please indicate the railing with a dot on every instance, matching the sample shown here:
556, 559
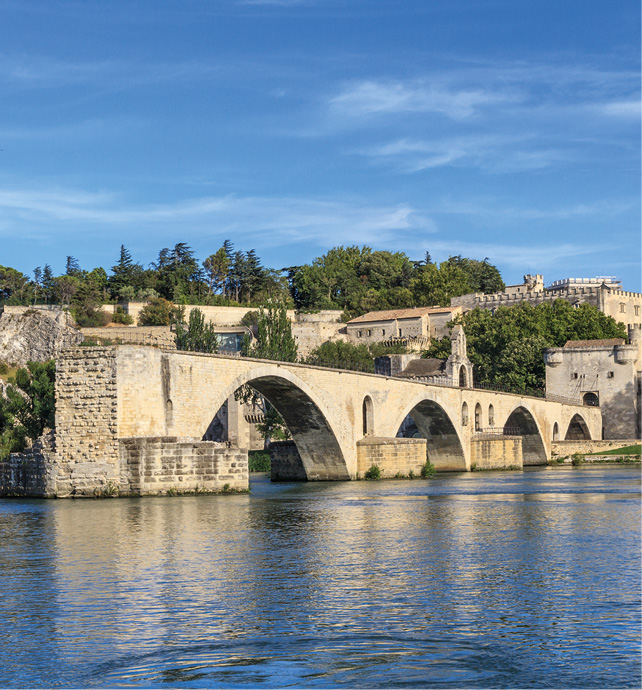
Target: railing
500, 431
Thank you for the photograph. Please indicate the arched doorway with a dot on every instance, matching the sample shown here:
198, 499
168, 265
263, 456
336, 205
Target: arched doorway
521, 421
463, 379
430, 421
591, 399
577, 430
368, 416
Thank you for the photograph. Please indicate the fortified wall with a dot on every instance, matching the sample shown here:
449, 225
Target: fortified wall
623, 306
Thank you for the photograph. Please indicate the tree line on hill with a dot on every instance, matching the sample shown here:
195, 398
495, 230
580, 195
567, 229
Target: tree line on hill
352, 279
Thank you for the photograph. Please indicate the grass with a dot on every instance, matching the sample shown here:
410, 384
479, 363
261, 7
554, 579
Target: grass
627, 450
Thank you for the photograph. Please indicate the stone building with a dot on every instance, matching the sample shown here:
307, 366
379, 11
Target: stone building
456, 370
603, 292
604, 372
412, 327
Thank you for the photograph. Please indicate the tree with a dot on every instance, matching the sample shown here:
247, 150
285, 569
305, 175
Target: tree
15, 287
158, 312
217, 267
48, 284
29, 406
37, 281
72, 267
65, 287
507, 347
482, 276
434, 285
199, 336
274, 339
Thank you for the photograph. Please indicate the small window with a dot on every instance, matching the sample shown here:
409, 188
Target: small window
610, 374
369, 332
383, 331
358, 334
637, 310
464, 415
622, 308
574, 374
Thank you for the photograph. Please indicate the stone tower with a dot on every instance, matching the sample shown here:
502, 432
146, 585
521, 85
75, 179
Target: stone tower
458, 367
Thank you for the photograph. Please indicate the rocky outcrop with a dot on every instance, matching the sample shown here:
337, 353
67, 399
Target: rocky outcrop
35, 335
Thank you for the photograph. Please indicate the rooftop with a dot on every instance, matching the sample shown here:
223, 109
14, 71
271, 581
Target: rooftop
424, 367
401, 314
607, 342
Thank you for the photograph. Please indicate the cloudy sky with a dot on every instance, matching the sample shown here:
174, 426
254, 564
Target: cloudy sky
506, 129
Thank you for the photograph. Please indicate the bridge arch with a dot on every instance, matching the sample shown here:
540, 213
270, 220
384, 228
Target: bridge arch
533, 449
305, 416
577, 429
432, 421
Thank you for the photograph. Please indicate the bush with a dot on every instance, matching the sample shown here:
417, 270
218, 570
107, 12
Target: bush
4, 368
374, 472
427, 470
258, 461
120, 316
576, 459
158, 312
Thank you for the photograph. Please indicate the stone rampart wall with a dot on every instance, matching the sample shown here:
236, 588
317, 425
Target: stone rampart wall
392, 455
496, 453
286, 464
160, 336
86, 420
158, 465
565, 448
31, 473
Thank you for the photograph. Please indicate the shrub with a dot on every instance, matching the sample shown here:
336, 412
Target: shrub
576, 459
157, 312
120, 316
258, 461
4, 368
374, 472
427, 470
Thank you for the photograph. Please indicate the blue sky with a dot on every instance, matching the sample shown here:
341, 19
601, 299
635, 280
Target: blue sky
506, 129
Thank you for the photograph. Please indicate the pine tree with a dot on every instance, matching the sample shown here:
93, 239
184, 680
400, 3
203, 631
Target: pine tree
274, 339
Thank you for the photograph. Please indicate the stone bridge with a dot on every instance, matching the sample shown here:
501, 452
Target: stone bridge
111, 400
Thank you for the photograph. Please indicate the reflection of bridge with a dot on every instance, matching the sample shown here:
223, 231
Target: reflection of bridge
107, 394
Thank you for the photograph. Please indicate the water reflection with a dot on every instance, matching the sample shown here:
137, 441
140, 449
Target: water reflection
485, 580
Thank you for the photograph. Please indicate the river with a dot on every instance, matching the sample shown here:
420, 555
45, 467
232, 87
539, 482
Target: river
525, 579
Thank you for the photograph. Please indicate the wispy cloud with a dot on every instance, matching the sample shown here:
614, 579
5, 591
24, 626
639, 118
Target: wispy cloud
263, 221
365, 98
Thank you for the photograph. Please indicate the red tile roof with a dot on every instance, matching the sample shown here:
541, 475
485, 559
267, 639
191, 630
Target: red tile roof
402, 314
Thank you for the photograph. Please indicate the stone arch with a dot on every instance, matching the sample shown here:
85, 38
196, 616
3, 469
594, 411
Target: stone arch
577, 430
464, 414
556, 432
478, 417
491, 415
316, 441
521, 421
432, 422
368, 416
463, 377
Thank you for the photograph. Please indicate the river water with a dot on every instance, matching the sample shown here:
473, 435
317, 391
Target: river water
495, 580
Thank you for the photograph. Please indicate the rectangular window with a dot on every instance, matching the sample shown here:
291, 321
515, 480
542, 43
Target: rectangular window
383, 331
622, 308
637, 310
358, 334
574, 374
610, 375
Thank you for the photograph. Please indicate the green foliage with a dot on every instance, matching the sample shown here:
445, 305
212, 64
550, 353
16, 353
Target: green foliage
346, 355
4, 368
273, 426
373, 472
427, 469
506, 347
15, 287
119, 316
158, 312
29, 406
198, 336
259, 461
274, 339
577, 459
482, 276
626, 450
435, 284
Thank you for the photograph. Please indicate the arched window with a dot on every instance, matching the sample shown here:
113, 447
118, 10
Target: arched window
478, 419
462, 376
368, 416
464, 414
491, 415
556, 432
591, 399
